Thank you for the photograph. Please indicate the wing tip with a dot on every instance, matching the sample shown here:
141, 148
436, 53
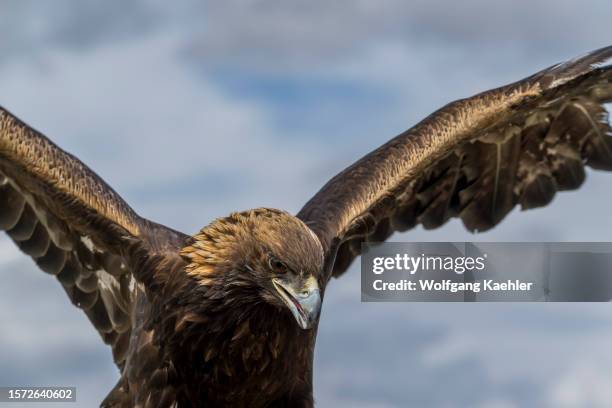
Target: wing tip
569, 70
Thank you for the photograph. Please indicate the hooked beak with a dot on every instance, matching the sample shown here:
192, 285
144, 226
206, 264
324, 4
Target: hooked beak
304, 301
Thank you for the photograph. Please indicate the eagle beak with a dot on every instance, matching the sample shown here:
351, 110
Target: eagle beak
303, 300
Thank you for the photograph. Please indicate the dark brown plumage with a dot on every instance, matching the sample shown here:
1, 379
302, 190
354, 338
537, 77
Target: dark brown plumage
228, 317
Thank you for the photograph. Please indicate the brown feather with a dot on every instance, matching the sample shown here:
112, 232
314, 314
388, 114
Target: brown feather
475, 159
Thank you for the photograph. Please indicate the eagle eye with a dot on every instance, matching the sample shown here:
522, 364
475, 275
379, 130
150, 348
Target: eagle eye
277, 265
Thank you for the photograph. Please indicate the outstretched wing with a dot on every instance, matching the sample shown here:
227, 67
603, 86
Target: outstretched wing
475, 159
75, 227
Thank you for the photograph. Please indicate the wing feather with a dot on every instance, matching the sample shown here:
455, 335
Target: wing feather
77, 228
476, 159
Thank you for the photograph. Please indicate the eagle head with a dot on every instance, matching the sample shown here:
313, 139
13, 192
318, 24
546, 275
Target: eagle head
260, 255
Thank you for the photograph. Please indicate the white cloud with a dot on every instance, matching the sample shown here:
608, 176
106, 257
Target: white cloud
585, 384
143, 121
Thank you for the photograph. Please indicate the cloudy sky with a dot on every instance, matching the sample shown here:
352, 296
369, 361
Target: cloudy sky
196, 109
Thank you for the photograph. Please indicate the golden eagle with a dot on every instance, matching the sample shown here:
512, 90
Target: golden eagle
228, 317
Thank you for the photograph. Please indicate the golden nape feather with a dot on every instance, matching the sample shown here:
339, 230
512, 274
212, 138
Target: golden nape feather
210, 249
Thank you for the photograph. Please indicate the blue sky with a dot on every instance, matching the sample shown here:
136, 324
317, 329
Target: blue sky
196, 109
